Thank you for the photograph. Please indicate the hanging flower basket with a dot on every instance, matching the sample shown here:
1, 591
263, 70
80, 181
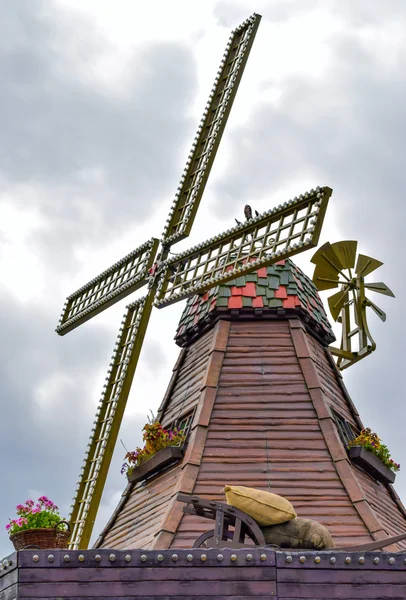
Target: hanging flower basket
41, 538
38, 525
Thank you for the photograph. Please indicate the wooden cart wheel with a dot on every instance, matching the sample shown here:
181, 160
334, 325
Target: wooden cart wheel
202, 540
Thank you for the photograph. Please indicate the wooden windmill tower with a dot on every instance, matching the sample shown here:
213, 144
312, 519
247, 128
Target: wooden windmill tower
255, 385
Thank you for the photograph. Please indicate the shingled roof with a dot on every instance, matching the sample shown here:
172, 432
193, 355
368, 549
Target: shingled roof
274, 291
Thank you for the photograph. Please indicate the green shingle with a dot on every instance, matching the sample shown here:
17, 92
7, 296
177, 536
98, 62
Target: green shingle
246, 302
222, 302
285, 277
261, 290
275, 303
224, 291
273, 282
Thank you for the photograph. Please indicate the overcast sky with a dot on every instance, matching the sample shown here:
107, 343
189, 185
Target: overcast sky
99, 104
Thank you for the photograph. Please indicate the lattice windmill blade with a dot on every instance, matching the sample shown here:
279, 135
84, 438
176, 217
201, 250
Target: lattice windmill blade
272, 236
209, 133
350, 298
116, 282
108, 420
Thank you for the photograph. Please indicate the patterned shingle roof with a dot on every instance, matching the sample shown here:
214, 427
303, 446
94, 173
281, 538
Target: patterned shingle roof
278, 290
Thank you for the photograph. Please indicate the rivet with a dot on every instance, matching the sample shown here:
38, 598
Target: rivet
81, 558
203, 558
112, 557
127, 557
35, 558
347, 560
220, 557
174, 557
361, 560
333, 560
66, 558
376, 560
189, 557
405, 561
289, 559
391, 561
263, 556
6, 563
317, 559
97, 558
249, 557
233, 557
302, 559
143, 557
160, 557
50, 557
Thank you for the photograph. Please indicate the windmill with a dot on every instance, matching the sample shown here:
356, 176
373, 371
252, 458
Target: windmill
334, 268
279, 233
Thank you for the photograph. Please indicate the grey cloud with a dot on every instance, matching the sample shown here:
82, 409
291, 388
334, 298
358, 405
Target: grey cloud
58, 126
44, 443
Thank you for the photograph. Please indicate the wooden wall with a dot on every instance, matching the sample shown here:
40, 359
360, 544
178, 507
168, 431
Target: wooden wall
262, 390
203, 575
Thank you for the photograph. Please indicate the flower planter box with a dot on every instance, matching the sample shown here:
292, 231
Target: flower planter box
159, 461
372, 464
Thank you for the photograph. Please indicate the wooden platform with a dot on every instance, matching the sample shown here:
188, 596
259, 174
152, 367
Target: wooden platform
208, 574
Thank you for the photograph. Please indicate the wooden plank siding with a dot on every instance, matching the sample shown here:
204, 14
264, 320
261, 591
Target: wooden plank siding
264, 433
204, 574
262, 392
150, 515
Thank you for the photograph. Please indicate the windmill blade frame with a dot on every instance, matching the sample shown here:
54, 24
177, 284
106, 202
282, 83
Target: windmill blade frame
272, 236
118, 281
207, 140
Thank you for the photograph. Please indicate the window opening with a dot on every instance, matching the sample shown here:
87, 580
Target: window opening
344, 427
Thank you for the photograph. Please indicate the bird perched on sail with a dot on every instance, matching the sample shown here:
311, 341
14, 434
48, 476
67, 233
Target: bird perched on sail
248, 212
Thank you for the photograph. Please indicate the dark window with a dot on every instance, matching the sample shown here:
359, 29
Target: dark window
345, 429
184, 423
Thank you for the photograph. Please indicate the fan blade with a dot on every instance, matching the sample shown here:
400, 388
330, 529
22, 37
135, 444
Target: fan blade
366, 264
325, 278
326, 257
336, 302
381, 314
380, 288
346, 252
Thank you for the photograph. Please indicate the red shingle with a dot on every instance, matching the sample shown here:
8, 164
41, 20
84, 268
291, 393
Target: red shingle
257, 302
237, 291
235, 302
281, 292
249, 290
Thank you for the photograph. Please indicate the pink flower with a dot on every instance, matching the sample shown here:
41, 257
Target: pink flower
30, 503
43, 499
35, 510
8, 526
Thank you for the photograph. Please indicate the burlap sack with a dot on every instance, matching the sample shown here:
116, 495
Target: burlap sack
265, 508
299, 533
